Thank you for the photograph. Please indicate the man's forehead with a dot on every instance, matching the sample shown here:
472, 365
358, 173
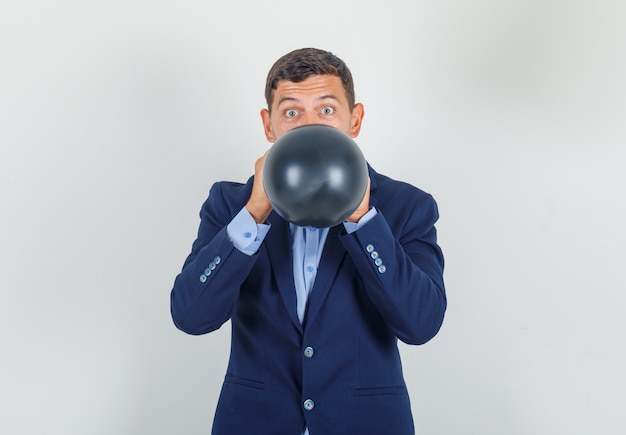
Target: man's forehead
317, 86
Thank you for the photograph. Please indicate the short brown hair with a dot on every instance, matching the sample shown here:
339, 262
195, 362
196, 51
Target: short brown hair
299, 64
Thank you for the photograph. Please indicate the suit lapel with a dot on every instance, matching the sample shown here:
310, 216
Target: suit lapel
330, 262
278, 245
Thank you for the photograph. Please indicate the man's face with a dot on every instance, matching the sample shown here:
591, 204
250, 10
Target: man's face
319, 99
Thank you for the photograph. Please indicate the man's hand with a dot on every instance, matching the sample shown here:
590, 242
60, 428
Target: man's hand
363, 207
258, 205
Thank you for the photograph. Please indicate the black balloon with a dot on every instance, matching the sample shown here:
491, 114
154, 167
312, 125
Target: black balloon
315, 176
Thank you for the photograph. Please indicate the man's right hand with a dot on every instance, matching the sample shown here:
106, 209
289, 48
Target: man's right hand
258, 205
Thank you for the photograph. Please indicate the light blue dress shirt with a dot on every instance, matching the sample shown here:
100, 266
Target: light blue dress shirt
307, 245
306, 248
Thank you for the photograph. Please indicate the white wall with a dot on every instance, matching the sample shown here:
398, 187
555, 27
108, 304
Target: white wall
117, 116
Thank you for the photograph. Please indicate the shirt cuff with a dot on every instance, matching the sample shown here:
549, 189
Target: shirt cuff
245, 233
353, 226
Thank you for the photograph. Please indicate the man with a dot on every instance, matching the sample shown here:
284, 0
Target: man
315, 313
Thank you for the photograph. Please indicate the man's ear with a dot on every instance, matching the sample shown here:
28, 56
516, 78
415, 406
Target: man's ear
267, 126
358, 112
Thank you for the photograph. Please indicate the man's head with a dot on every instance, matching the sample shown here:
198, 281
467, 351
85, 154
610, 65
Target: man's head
310, 86
299, 64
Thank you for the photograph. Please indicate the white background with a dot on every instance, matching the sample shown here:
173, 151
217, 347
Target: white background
116, 117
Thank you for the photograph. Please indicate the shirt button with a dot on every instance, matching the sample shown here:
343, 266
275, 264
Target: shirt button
247, 235
310, 269
308, 352
309, 405
369, 248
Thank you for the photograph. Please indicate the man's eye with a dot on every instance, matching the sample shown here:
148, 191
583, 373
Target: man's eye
327, 110
291, 113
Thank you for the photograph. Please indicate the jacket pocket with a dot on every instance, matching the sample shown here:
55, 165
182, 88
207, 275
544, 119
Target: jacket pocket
380, 391
245, 382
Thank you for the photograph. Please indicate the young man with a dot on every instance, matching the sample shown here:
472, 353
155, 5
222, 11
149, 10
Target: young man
315, 313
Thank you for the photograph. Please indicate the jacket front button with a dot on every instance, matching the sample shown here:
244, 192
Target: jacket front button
309, 405
308, 352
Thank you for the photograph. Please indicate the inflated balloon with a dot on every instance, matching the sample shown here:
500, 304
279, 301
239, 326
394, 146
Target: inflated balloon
315, 176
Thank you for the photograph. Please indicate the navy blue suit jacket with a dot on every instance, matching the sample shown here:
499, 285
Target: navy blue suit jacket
356, 311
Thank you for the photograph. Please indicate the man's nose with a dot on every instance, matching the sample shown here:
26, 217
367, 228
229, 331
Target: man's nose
309, 118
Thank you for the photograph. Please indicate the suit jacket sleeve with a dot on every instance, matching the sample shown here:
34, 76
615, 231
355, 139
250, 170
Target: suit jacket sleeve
207, 288
406, 283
